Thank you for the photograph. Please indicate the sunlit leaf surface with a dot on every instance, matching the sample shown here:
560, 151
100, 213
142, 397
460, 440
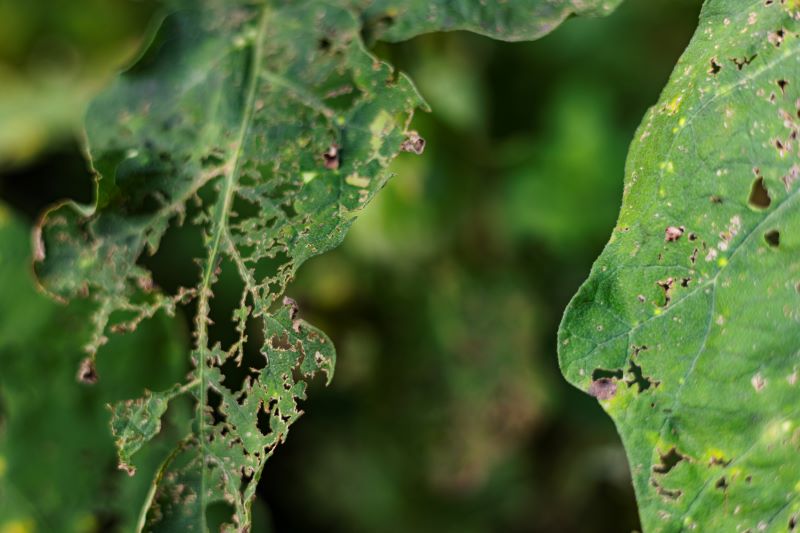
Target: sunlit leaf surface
688, 330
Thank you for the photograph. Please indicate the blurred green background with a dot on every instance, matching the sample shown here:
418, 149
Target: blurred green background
447, 412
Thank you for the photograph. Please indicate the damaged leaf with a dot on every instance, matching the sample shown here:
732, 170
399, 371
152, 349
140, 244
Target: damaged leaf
263, 127
55, 448
712, 439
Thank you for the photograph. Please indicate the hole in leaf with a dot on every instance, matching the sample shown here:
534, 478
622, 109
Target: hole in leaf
666, 285
219, 514
715, 67
742, 62
668, 461
213, 402
639, 379
773, 238
759, 195
262, 422
721, 483
600, 373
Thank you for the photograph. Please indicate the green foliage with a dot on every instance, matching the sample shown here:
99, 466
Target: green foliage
54, 57
266, 127
510, 21
687, 330
55, 447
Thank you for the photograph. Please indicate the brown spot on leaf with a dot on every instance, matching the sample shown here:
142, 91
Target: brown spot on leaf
775, 38
667, 285
718, 461
87, 373
291, 303
331, 157
666, 493
673, 233
413, 143
128, 469
791, 177
603, 388
758, 382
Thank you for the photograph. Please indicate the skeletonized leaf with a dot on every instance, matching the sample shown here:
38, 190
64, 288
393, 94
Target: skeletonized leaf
265, 126
278, 124
55, 450
688, 329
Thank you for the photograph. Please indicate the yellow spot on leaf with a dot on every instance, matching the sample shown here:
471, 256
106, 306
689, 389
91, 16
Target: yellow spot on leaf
308, 176
723, 262
357, 181
674, 105
378, 128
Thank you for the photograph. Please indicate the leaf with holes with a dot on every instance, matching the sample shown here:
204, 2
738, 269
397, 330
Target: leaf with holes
688, 329
55, 450
263, 127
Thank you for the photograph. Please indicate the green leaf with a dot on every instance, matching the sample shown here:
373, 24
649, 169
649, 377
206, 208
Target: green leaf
266, 126
55, 448
687, 329
520, 20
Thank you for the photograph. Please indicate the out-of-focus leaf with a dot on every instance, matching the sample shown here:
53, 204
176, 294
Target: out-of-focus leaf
54, 57
688, 329
411, 463
510, 21
561, 195
55, 448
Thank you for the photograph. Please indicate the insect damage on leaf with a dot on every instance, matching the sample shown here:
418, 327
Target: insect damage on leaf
218, 130
717, 307
263, 127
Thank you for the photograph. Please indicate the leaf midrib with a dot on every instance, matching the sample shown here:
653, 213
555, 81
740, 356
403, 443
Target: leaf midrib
219, 230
